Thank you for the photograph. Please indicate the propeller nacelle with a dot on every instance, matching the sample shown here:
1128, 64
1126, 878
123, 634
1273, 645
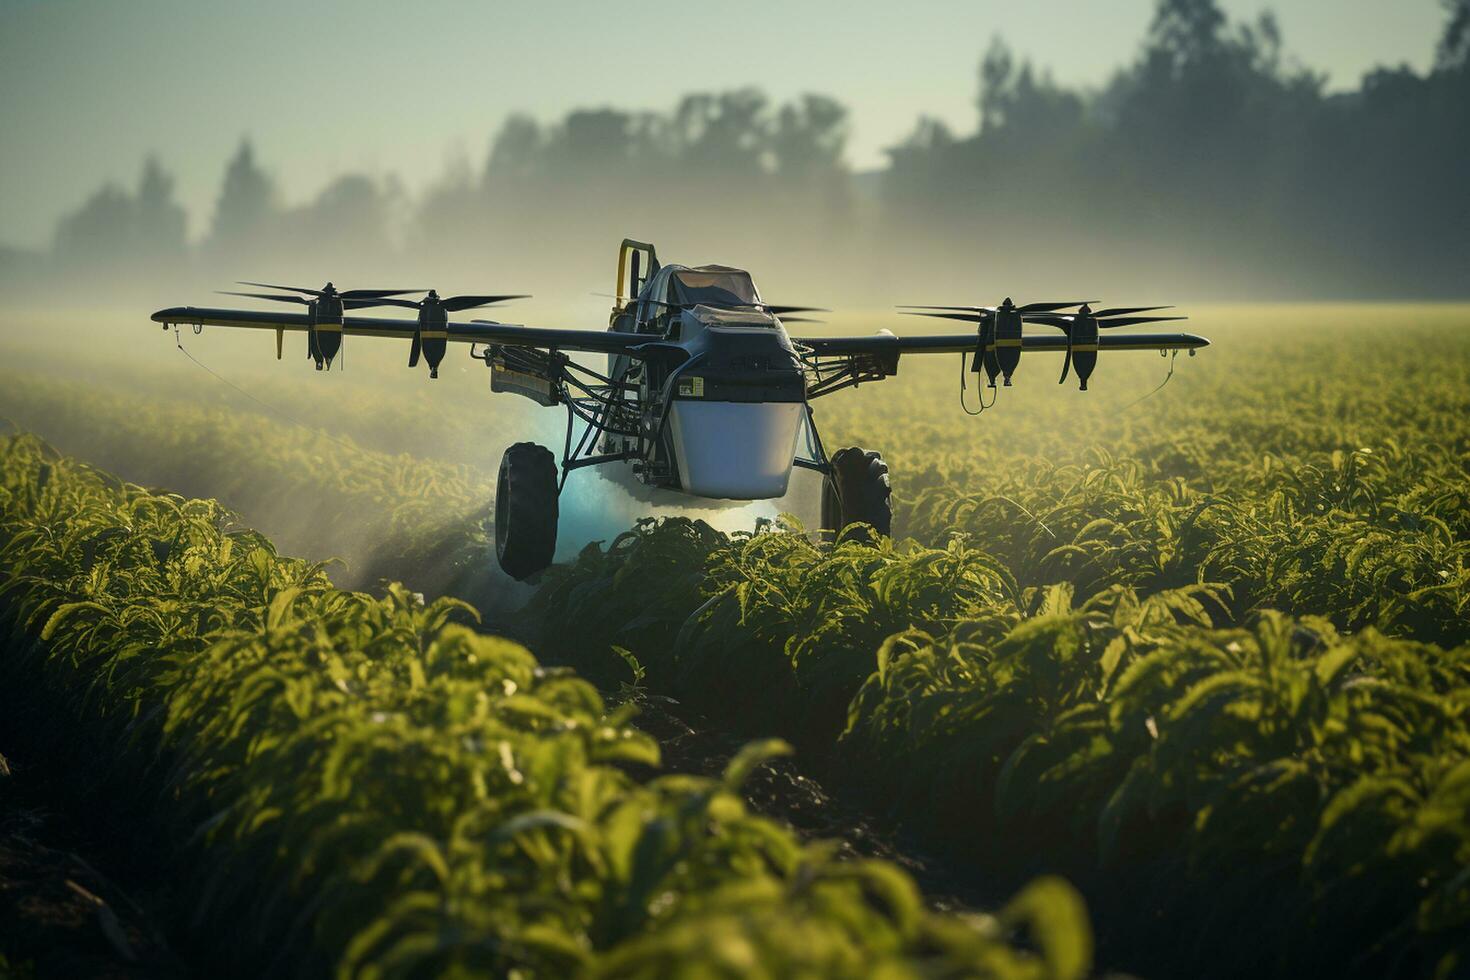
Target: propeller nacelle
431, 330
324, 332
985, 352
431, 339
1009, 321
1084, 329
1082, 344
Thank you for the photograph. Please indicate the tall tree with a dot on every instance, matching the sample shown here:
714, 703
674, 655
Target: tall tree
808, 139
515, 153
161, 222
1186, 32
725, 135
99, 232
1454, 46
247, 202
996, 69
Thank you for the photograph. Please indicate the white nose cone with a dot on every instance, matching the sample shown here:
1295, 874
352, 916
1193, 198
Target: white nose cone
735, 450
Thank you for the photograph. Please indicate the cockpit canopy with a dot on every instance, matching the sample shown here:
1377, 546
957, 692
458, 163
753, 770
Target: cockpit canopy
676, 288
679, 299
711, 285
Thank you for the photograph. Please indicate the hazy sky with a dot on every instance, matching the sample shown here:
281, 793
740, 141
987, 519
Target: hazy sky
88, 88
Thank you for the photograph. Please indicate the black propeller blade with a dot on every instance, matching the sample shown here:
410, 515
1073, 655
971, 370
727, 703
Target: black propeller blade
976, 317
1131, 321
1050, 307
1028, 308
268, 285
456, 303
1124, 310
350, 304
357, 304
430, 333
279, 299
781, 311
344, 294
1082, 330
1065, 322
375, 293
387, 301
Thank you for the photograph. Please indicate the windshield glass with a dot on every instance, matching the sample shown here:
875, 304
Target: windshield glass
714, 286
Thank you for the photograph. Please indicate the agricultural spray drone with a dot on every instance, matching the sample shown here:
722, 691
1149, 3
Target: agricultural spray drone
705, 391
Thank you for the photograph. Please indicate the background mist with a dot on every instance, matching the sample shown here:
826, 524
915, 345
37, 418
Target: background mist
1211, 164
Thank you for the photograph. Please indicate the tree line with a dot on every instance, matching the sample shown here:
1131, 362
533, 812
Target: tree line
1212, 161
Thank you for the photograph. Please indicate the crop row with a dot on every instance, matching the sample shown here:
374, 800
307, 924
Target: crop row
1084, 672
364, 785
1215, 674
1171, 767
971, 685
423, 520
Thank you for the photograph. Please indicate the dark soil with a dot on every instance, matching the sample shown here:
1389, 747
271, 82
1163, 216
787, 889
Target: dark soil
784, 791
61, 914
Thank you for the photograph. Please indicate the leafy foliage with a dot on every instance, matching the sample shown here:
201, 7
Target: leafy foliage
427, 520
1215, 674
364, 785
1203, 655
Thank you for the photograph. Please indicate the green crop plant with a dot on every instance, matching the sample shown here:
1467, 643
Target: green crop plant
1339, 504
362, 785
1202, 649
1288, 780
425, 520
1123, 738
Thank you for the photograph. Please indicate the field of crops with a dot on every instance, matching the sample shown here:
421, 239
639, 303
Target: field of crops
1201, 652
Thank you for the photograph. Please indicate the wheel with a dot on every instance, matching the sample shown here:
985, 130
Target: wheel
526, 510
857, 492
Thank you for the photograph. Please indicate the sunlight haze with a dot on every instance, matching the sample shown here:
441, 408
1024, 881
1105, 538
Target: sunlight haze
410, 90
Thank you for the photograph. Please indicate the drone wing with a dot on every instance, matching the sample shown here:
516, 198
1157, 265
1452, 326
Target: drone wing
507, 334
885, 343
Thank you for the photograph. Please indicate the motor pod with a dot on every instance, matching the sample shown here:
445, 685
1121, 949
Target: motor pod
432, 336
324, 333
987, 351
1008, 328
985, 358
1082, 344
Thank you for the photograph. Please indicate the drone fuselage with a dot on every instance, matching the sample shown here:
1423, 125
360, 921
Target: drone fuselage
720, 413
704, 393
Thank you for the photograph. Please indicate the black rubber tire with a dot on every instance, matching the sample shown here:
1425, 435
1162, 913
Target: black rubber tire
857, 491
526, 510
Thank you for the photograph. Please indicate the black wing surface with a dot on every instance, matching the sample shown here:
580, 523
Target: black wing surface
888, 343
508, 334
